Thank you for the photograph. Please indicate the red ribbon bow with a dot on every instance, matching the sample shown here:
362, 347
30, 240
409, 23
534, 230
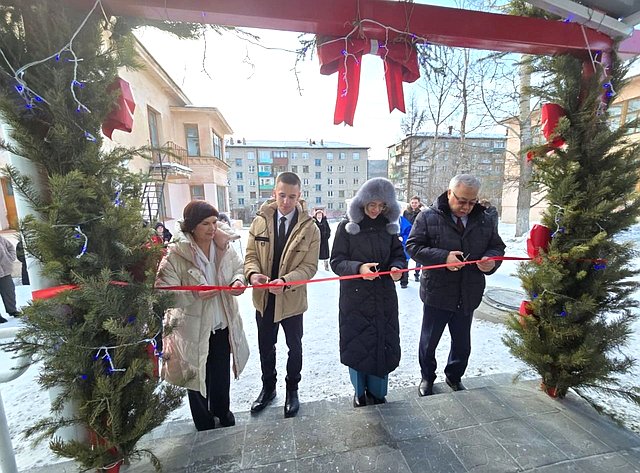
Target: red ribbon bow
121, 117
345, 56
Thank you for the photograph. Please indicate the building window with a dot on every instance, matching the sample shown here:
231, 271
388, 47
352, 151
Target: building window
305, 181
241, 201
264, 157
305, 169
340, 168
197, 192
355, 155
240, 188
252, 182
252, 169
356, 182
318, 175
238, 175
318, 162
193, 140
239, 162
294, 155
341, 205
305, 194
498, 144
330, 181
154, 137
330, 205
341, 194
251, 155
280, 154
252, 195
305, 155
341, 182
329, 155
615, 114
633, 112
330, 168
329, 193
318, 200
264, 169
356, 168
294, 169
318, 187
343, 156
217, 146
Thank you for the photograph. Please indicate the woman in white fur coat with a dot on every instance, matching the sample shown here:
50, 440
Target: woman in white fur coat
204, 329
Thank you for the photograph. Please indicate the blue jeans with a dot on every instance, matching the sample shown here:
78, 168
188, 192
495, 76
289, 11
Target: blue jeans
433, 323
376, 385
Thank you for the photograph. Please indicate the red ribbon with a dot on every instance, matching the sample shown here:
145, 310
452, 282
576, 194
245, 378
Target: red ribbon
345, 57
53, 291
121, 117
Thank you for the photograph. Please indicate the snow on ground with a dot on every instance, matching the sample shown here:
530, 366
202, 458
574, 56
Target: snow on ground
322, 376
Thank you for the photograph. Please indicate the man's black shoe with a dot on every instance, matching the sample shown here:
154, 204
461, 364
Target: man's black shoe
263, 400
228, 419
15, 314
425, 388
403, 285
417, 277
359, 401
2, 320
291, 403
455, 385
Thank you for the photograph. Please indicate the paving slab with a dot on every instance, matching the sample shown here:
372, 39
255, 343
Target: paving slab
493, 426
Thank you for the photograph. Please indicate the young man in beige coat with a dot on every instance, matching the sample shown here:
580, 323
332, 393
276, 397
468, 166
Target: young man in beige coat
283, 246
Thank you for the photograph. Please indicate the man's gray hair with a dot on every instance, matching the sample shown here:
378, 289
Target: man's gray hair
467, 180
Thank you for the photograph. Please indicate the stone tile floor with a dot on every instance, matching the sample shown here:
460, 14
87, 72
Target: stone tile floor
493, 426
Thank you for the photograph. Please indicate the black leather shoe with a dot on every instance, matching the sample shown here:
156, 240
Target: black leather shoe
359, 401
455, 385
417, 278
2, 320
291, 403
425, 388
228, 419
263, 400
404, 285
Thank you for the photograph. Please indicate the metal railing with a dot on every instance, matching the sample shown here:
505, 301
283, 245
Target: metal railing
7, 457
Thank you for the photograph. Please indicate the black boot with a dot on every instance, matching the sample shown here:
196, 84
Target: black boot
291, 403
227, 420
263, 399
376, 400
359, 401
2, 320
425, 388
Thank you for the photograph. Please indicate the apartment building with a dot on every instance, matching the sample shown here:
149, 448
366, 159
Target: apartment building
331, 172
423, 164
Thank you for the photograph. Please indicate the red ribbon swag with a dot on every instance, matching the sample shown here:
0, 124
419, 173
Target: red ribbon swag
345, 57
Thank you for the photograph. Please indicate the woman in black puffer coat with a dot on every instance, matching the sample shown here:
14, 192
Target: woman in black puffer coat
365, 243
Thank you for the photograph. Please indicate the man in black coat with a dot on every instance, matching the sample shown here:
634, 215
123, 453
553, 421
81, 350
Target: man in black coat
452, 230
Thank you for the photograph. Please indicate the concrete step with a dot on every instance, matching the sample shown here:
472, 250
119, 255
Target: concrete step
494, 425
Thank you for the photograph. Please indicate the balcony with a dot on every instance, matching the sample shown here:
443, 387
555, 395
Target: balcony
172, 163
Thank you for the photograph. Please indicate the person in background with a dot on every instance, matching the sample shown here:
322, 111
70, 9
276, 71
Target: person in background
224, 218
283, 246
321, 221
452, 230
7, 287
23, 261
490, 210
163, 233
405, 229
410, 214
367, 243
205, 326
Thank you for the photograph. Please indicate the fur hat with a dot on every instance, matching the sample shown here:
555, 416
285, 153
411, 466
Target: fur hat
380, 189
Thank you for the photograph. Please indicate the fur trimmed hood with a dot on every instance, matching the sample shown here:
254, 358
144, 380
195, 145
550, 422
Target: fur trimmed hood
377, 188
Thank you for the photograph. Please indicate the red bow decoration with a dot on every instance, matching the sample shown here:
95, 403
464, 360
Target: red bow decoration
550, 115
539, 238
345, 56
121, 117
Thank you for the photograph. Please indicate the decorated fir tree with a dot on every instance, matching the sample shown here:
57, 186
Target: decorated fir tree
96, 344
580, 304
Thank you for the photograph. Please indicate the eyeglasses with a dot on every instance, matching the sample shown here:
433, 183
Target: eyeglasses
375, 206
464, 202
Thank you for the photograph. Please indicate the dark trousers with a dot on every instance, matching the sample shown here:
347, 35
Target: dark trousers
404, 279
218, 382
433, 324
267, 339
8, 294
